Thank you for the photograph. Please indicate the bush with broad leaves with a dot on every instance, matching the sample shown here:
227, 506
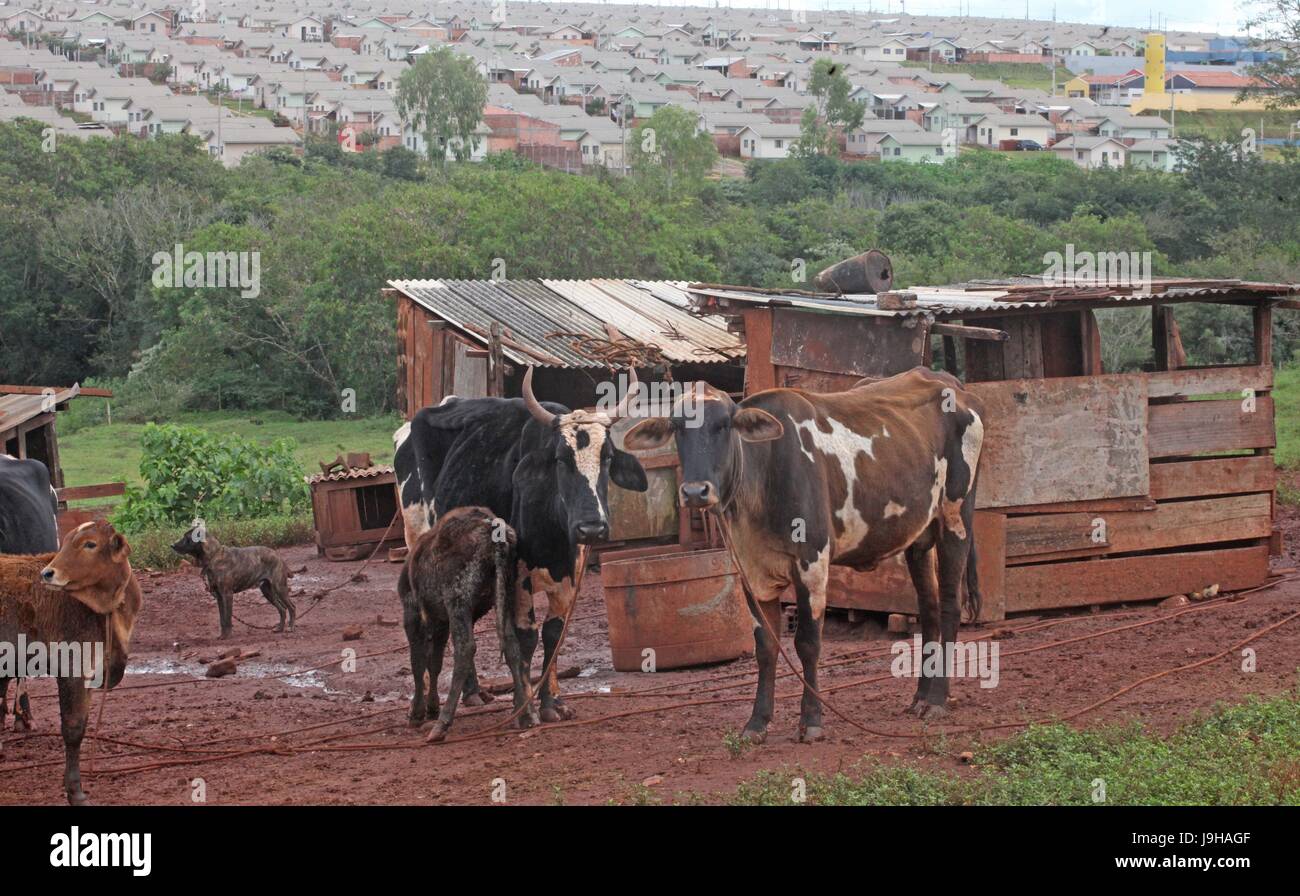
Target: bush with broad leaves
190, 473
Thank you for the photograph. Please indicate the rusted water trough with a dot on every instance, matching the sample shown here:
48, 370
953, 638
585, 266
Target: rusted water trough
685, 605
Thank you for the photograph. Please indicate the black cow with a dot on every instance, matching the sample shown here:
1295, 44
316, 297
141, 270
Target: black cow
806, 481
541, 467
28, 508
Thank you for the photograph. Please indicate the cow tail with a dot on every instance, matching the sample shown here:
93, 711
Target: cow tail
973, 600
507, 638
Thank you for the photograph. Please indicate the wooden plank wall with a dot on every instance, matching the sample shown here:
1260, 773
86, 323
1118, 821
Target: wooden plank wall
1209, 517
1064, 439
1203, 516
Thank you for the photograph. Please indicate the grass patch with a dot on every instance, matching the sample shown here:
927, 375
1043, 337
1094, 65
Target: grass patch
152, 549
1013, 74
1246, 754
1286, 410
246, 107
101, 452
1223, 122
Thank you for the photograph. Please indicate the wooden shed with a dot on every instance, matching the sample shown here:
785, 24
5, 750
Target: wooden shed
27, 424
1096, 487
475, 338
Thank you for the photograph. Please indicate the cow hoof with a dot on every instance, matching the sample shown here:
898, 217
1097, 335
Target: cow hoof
478, 698
754, 735
916, 708
21, 724
437, 733
415, 721
78, 798
278, 629
811, 733
527, 720
557, 712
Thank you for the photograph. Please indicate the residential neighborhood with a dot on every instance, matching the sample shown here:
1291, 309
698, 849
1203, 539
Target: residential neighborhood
568, 81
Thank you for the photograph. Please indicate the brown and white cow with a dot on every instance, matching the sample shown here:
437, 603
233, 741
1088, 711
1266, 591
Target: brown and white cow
806, 481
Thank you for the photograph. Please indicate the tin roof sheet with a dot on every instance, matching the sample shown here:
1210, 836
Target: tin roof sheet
991, 296
534, 313
16, 409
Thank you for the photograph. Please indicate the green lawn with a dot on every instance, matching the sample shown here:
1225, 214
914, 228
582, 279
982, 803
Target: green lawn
1286, 410
1218, 122
1239, 755
244, 107
111, 452
1013, 74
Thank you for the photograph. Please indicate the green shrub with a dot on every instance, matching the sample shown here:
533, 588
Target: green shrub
190, 474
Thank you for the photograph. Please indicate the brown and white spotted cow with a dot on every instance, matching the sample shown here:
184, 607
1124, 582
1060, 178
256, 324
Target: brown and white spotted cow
806, 481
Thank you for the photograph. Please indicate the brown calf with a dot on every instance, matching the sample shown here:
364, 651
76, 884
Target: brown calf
84, 594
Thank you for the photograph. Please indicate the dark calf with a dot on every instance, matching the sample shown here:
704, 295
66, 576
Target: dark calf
456, 572
228, 571
84, 594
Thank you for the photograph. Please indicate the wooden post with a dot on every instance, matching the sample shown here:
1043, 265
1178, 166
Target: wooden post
496, 376
1263, 334
950, 355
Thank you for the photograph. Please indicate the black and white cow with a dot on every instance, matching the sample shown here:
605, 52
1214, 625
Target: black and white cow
540, 467
806, 481
28, 508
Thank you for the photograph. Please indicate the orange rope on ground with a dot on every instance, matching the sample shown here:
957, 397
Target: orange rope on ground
328, 743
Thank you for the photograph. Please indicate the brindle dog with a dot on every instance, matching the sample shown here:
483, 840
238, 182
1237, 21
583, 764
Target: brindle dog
228, 571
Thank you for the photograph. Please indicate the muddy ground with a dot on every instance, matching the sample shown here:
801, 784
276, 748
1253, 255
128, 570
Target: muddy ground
335, 737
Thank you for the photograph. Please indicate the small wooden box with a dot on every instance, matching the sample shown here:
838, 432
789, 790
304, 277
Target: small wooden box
354, 511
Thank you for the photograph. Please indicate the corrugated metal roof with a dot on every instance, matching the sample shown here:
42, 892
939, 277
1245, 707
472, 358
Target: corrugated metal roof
16, 409
342, 475
969, 298
532, 312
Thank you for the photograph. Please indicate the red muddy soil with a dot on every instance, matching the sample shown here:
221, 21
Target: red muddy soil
249, 728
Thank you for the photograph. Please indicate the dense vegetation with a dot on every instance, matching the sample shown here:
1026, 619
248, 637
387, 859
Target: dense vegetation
79, 227
191, 474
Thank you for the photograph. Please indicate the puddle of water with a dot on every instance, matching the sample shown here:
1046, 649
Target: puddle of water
249, 669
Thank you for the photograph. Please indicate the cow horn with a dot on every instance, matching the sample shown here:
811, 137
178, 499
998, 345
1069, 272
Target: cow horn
621, 411
540, 414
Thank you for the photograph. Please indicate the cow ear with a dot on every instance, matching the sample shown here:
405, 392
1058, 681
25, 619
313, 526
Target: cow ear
756, 425
652, 433
118, 545
626, 472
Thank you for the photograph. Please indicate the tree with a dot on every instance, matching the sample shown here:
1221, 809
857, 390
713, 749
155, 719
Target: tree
669, 149
443, 96
833, 112
1280, 22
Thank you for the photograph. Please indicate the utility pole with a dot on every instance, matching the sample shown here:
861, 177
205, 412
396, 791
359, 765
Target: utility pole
1052, 56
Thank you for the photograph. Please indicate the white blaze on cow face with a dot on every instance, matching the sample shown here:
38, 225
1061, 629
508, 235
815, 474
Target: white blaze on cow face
587, 457
844, 445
